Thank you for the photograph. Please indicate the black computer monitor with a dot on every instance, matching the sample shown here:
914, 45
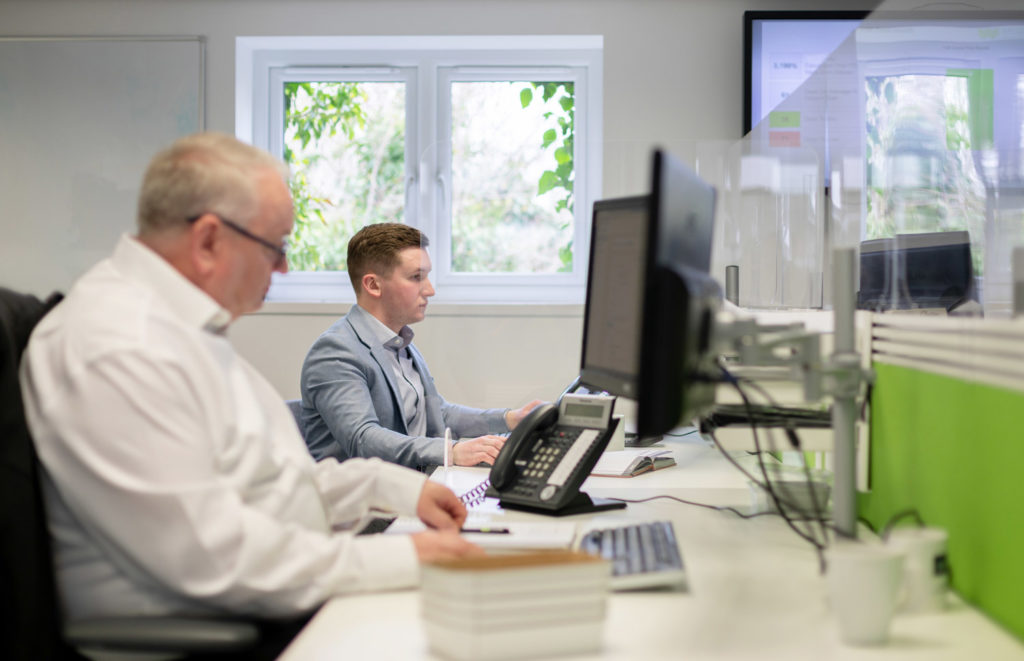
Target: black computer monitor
680, 301
924, 270
615, 289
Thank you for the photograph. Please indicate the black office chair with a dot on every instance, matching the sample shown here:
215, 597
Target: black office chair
30, 622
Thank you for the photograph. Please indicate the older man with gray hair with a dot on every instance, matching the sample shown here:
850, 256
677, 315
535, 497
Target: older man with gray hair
175, 478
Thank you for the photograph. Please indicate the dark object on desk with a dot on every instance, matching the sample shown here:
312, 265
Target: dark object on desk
916, 271
643, 555
377, 525
724, 415
549, 455
634, 440
30, 623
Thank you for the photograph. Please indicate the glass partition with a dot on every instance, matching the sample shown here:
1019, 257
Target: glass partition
905, 142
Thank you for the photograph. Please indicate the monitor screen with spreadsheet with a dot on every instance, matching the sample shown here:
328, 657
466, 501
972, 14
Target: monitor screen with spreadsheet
650, 300
615, 286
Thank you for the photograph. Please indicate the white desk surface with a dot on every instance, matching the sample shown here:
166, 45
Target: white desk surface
755, 591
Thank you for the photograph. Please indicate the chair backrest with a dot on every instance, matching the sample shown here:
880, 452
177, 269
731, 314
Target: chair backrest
30, 622
295, 406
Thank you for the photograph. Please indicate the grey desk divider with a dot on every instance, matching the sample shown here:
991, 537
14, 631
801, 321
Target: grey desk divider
79, 120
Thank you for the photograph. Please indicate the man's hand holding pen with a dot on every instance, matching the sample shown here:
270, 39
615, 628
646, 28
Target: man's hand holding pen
441, 509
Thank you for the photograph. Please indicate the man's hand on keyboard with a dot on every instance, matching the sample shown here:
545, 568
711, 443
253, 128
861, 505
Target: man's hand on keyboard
480, 450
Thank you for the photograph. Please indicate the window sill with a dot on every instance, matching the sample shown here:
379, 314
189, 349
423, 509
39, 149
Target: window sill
497, 310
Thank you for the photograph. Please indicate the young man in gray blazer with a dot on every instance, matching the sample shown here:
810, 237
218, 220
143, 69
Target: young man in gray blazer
366, 390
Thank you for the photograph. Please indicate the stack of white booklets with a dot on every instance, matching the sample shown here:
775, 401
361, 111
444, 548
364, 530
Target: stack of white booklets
515, 606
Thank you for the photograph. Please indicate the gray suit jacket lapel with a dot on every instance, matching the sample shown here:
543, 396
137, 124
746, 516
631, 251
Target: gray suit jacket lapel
362, 330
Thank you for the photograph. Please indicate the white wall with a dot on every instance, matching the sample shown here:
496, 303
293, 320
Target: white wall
673, 75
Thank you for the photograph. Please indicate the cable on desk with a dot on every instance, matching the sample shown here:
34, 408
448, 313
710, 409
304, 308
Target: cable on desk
895, 518
794, 441
718, 508
870, 526
767, 485
722, 508
819, 546
693, 431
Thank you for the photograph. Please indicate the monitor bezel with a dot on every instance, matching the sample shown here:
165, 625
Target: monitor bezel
750, 16
878, 18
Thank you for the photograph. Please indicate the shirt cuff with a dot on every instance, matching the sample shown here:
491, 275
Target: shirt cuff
398, 488
394, 563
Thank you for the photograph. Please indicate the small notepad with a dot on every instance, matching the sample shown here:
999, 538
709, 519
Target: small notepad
627, 463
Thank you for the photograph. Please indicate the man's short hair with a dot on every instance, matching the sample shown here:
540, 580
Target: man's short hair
375, 248
203, 173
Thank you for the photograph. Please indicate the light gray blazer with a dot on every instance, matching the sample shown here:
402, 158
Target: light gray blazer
351, 406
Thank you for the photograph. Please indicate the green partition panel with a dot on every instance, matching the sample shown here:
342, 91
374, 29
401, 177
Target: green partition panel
954, 451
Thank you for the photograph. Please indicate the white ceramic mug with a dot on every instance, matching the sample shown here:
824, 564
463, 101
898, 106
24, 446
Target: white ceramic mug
863, 585
926, 570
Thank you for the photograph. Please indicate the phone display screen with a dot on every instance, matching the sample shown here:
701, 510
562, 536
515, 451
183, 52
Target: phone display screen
585, 411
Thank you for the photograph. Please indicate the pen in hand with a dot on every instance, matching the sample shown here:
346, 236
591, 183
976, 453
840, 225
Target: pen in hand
491, 531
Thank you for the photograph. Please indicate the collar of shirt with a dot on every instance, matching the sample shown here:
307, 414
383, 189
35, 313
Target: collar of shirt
191, 304
386, 336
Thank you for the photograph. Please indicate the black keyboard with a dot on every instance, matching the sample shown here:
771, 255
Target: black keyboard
643, 555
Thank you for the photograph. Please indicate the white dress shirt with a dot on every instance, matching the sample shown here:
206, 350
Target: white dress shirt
410, 383
174, 475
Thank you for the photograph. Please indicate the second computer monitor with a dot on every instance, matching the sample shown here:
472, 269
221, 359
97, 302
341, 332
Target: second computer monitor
921, 270
615, 291
676, 367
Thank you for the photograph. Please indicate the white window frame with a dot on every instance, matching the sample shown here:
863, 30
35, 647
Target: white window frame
428, 64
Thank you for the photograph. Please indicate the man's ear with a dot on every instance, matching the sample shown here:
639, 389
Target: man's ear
371, 285
203, 244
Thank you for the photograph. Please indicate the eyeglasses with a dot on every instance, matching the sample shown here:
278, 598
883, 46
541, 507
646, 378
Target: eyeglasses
281, 252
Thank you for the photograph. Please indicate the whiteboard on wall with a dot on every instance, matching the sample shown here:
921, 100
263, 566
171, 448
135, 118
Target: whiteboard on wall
80, 119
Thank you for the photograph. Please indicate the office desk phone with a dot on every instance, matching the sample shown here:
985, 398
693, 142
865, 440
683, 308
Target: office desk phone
551, 452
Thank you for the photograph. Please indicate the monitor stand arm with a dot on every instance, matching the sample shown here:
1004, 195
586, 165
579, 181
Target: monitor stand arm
790, 352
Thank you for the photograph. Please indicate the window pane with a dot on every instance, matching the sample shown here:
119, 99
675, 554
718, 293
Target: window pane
922, 134
512, 177
345, 144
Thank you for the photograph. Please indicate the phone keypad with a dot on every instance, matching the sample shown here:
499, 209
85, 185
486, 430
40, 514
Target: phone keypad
546, 457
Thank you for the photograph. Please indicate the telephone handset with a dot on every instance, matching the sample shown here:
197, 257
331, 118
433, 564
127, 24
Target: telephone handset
551, 452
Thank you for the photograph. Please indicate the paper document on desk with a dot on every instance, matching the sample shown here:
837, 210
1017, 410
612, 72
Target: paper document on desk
526, 535
521, 534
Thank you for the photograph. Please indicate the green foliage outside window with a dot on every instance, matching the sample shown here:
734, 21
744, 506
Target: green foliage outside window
311, 112
329, 124
563, 174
